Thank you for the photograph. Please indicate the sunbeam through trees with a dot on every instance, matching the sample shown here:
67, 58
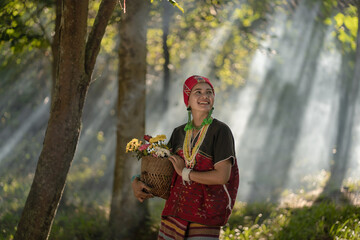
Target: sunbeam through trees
78, 81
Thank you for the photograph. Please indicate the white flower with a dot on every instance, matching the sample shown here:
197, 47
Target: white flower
161, 152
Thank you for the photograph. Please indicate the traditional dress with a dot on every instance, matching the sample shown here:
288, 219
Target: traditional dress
178, 229
198, 210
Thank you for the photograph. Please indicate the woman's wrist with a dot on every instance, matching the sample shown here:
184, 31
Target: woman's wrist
185, 174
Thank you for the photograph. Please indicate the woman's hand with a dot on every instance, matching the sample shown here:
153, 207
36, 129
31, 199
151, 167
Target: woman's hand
138, 189
178, 163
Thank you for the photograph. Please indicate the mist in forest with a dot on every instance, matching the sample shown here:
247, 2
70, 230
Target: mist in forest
284, 118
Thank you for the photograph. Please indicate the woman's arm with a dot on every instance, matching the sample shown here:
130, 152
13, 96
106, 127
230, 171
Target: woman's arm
220, 174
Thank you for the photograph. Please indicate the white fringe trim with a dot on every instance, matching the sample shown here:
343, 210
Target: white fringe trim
227, 192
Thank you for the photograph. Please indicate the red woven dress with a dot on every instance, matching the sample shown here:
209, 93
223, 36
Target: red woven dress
209, 205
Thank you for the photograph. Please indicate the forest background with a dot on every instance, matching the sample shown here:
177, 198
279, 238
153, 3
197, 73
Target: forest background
286, 79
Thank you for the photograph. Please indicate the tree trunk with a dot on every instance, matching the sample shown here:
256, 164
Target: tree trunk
125, 209
55, 45
345, 126
73, 75
167, 14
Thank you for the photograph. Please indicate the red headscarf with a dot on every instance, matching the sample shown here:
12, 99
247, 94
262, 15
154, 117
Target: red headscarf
190, 83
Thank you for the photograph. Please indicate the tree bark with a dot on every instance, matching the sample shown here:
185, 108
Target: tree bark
55, 45
167, 14
63, 130
125, 209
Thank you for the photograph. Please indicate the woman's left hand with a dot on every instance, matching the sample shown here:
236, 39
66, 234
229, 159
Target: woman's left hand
178, 163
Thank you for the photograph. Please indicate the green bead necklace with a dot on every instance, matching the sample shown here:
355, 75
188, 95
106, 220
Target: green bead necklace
206, 121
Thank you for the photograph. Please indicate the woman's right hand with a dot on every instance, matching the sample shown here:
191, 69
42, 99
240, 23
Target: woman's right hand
139, 189
178, 163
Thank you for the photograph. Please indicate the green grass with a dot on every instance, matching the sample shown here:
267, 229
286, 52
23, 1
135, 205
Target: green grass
319, 222
249, 221
89, 221
86, 223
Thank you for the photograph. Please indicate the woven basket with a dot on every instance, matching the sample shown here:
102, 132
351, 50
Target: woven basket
157, 173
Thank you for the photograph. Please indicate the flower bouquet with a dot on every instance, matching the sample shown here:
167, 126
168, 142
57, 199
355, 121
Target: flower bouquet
156, 169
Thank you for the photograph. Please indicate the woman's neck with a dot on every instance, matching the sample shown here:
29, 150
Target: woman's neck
198, 118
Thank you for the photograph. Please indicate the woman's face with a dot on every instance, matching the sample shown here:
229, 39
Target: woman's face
201, 97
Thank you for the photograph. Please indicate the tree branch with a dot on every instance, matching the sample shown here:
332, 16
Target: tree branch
97, 32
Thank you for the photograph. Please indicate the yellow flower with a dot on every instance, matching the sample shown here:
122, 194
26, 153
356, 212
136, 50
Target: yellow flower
157, 138
133, 145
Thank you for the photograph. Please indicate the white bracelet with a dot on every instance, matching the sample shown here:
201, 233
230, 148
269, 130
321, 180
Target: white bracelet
185, 175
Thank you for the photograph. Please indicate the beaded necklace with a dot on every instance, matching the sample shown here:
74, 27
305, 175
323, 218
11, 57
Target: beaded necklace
189, 151
206, 121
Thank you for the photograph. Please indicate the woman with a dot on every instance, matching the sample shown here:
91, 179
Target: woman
206, 179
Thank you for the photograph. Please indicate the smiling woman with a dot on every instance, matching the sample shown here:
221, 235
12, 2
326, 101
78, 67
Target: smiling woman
201, 100
205, 181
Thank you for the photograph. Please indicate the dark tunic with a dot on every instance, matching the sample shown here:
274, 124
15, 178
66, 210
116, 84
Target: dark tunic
205, 204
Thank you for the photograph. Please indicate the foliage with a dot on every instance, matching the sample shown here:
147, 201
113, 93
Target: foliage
233, 59
84, 175
174, 3
80, 222
251, 211
238, 26
13, 194
352, 185
346, 24
349, 229
89, 222
322, 221
193, 33
25, 24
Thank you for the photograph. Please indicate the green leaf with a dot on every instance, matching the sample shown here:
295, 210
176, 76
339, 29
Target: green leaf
351, 24
10, 31
339, 19
328, 21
